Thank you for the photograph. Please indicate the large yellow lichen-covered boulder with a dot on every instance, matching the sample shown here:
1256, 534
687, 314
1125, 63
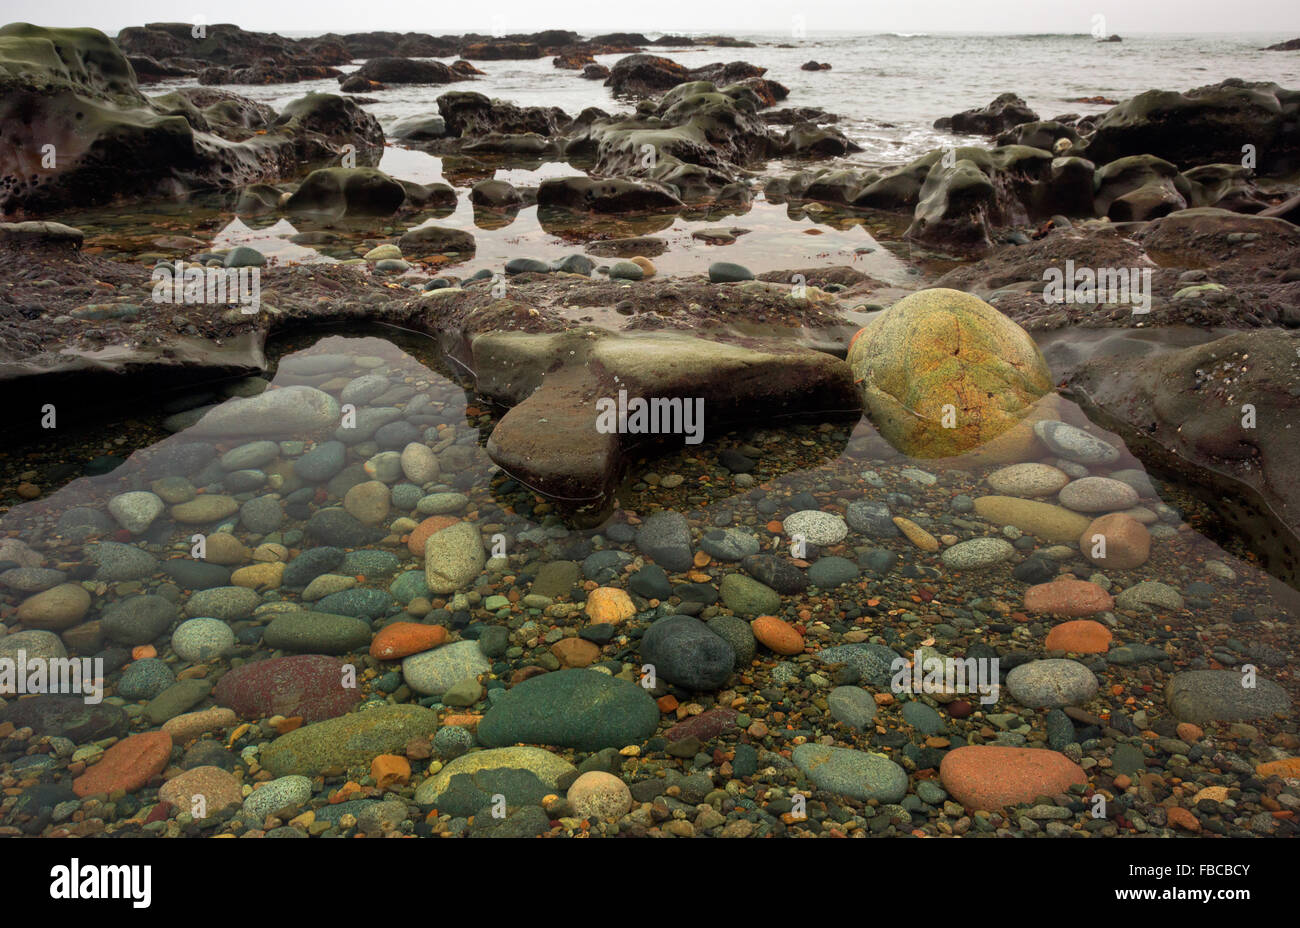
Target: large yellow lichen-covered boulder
943, 373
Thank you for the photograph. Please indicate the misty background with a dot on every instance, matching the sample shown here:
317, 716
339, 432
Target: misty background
680, 16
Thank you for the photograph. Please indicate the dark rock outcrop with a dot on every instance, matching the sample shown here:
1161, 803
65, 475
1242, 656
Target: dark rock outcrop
333, 193
267, 72
1005, 112
503, 50
227, 54
1187, 410
227, 44
573, 60
1207, 125
395, 44
148, 70
100, 138
960, 205
1226, 186
644, 75
418, 128
611, 195
468, 114
696, 140
335, 118
818, 141
1045, 134
406, 71
1139, 187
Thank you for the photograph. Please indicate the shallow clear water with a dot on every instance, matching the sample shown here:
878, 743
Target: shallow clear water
806, 453
270, 514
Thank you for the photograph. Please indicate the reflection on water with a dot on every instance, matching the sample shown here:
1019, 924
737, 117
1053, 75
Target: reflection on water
764, 236
274, 241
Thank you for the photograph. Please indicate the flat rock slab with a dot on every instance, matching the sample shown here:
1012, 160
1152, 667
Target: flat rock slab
306, 685
348, 741
1051, 684
581, 709
127, 765
990, 777
854, 774
1201, 696
278, 414
574, 457
1158, 404
479, 766
66, 717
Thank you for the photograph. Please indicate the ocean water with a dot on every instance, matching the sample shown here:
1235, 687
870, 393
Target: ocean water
888, 89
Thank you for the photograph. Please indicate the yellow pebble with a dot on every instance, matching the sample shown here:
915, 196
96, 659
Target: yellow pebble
916, 535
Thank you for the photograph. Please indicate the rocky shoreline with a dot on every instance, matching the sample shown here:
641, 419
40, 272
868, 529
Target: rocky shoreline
436, 618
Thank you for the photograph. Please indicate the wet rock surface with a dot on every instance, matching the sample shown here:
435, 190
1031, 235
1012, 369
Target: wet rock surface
369, 575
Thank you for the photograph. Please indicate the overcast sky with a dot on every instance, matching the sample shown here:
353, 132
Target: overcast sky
726, 16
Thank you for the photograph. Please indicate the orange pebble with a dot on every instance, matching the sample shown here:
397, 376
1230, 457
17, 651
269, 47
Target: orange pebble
777, 635
1081, 636
390, 770
402, 639
143, 652
1190, 733
345, 792
1286, 767
284, 726
463, 720
238, 733
609, 605
1178, 817
667, 703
